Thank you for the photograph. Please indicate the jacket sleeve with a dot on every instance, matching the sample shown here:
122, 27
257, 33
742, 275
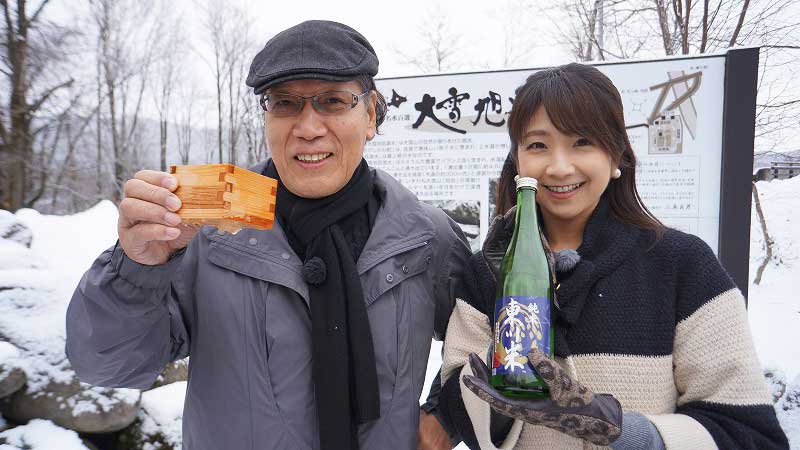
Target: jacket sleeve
449, 281
126, 320
723, 401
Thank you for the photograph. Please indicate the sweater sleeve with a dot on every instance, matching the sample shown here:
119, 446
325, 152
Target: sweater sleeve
723, 401
126, 320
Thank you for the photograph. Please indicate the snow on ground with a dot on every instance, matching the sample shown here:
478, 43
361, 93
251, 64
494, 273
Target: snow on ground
40, 435
774, 309
32, 316
64, 247
773, 306
162, 410
8, 353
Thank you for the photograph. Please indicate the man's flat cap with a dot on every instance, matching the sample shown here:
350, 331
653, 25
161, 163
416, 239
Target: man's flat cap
316, 49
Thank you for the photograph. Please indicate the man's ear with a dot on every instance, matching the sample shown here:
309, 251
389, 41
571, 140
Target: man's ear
372, 115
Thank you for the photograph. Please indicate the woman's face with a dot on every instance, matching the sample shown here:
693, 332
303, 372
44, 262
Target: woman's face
572, 171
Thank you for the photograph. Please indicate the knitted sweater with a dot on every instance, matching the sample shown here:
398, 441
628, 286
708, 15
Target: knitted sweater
660, 325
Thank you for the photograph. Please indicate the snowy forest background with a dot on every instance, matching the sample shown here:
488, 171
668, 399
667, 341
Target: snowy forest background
93, 90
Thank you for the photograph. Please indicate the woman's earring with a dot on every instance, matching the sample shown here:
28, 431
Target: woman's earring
617, 173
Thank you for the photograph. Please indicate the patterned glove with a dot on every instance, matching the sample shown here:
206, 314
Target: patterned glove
571, 408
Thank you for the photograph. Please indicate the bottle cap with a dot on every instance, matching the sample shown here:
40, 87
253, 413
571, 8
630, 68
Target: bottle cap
528, 182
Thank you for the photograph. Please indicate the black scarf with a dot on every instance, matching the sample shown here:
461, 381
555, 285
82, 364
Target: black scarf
328, 234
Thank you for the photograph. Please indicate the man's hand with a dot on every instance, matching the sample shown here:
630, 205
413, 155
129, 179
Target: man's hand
432, 435
149, 230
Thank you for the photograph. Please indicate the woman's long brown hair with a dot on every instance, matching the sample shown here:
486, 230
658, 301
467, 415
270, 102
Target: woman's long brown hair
580, 101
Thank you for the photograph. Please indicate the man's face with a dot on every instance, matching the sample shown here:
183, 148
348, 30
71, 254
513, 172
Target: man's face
316, 154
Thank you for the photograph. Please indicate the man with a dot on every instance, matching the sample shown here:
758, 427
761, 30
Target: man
314, 334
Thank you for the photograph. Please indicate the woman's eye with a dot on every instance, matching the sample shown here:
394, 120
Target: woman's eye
581, 142
536, 145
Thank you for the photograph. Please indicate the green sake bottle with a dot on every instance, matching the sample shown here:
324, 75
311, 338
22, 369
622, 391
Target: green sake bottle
524, 301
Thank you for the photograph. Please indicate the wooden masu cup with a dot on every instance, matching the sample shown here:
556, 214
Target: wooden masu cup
225, 196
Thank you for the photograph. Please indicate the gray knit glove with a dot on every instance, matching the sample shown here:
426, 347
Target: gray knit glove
571, 408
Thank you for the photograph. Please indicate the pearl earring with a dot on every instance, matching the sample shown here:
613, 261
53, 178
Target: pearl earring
617, 173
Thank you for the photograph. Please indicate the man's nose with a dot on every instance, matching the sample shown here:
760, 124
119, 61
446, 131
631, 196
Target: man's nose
310, 124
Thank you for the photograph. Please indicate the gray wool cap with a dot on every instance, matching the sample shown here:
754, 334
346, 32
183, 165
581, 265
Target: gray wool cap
315, 49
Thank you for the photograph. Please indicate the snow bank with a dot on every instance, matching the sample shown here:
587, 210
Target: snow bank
40, 435
772, 305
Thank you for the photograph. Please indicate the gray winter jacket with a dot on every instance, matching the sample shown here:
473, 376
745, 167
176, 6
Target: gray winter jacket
239, 306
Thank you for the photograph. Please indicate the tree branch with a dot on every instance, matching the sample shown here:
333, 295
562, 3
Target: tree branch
738, 28
35, 15
784, 47
38, 103
780, 105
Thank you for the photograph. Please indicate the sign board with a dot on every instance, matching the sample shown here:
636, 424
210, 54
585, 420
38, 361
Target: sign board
445, 138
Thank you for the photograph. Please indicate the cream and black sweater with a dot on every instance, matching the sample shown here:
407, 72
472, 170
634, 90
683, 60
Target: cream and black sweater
661, 326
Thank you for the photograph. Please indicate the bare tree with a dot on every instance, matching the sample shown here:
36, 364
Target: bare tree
127, 36
214, 23
253, 129
57, 143
440, 44
167, 71
599, 30
74, 133
614, 29
769, 244
237, 48
184, 118
228, 30
514, 18
29, 48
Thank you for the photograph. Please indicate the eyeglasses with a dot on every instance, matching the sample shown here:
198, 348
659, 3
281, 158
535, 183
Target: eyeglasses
334, 102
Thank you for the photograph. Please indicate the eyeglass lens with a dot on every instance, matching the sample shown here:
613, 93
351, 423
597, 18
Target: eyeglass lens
326, 103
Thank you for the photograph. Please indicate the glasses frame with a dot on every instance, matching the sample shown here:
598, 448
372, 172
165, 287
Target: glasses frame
264, 101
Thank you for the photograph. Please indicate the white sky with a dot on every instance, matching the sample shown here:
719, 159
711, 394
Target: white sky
391, 26
395, 25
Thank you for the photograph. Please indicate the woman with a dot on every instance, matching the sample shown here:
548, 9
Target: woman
647, 314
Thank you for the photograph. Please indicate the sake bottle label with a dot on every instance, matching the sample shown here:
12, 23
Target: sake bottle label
522, 323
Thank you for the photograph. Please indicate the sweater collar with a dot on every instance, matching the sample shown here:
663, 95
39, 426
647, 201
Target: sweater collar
606, 244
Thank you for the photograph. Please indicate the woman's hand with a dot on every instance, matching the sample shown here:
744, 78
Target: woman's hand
571, 408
